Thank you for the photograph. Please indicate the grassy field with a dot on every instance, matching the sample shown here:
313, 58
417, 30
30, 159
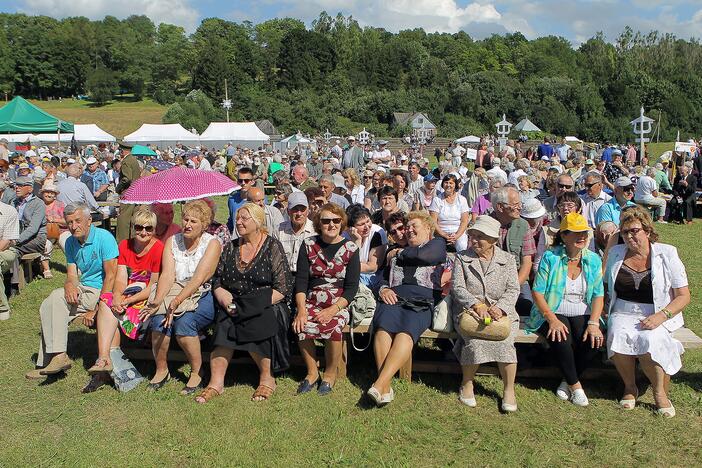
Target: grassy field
118, 118
53, 424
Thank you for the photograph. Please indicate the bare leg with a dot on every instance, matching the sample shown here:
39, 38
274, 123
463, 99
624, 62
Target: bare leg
159, 346
332, 353
467, 389
400, 351
656, 375
381, 347
219, 361
626, 367
265, 375
508, 372
106, 329
191, 346
45, 266
309, 355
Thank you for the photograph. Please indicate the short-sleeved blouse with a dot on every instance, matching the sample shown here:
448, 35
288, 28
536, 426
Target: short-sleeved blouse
140, 268
186, 262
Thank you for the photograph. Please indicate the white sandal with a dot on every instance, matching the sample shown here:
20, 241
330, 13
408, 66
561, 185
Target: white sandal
468, 401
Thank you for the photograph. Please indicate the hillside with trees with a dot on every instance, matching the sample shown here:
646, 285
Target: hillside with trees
341, 76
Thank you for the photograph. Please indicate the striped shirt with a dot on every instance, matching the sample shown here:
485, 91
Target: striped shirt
291, 242
9, 222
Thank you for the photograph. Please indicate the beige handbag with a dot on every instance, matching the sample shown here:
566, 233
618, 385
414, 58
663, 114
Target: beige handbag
188, 305
496, 330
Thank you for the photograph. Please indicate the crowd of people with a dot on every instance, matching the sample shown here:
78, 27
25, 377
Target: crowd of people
543, 232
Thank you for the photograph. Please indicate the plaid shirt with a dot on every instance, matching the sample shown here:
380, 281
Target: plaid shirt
9, 222
291, 242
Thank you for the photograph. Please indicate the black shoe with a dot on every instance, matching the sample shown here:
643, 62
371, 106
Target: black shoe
325, 388
157, 385
305, 386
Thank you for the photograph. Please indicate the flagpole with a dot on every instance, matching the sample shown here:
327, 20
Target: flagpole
58, 132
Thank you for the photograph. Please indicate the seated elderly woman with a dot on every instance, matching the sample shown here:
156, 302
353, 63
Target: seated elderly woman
165, 226
251, 284
568, 202
568, 299
648, 289
182, 305
56, 227
282, 192
407, 300
485, 286
327, 279
450, 212
138, 267
371, 241
217, 229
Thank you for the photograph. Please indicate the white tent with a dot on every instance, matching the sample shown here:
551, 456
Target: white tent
469, 139
91, 133
572, 139
526, 125
246, 134
163, 135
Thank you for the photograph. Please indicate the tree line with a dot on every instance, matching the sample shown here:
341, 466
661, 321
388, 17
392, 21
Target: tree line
341, 76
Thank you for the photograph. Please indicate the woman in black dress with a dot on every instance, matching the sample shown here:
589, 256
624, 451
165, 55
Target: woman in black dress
250, 285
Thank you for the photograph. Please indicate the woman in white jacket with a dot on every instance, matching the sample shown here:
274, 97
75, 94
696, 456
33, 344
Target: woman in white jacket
648, 289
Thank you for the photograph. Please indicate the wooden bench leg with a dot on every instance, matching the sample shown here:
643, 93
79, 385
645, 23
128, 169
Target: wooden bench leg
22, 282
341, 370
406, 370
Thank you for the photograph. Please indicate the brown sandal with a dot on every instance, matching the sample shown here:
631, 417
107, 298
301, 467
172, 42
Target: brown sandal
262, 393
207, 394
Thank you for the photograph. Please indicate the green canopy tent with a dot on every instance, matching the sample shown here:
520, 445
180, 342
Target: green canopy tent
21, 116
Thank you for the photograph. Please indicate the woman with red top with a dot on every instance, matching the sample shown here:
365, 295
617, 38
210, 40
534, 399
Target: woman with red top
138, 267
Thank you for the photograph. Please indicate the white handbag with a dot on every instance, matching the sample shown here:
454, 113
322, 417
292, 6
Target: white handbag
441, 319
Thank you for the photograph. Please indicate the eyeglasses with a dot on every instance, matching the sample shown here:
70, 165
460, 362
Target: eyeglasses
628, 189
326, 221
564, 186
400, 228
514, 206
244, 181
591, 185
569, 205
631, 231
139, 228
243, 219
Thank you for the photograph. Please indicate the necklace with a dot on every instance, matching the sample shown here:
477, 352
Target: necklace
576, 258
242, 263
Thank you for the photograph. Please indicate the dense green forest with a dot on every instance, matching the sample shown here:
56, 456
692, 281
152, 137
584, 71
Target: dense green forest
340, 76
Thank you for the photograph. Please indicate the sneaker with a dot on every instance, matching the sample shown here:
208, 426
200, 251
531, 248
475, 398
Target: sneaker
47, 274
579, 398
5, 315
661, 221
563, 391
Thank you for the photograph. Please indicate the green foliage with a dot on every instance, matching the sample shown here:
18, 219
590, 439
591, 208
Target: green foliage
101, 85
196, 111
338, 73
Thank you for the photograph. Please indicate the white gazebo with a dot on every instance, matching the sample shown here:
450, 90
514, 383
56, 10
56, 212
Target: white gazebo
526, 125
245, 134
162, 135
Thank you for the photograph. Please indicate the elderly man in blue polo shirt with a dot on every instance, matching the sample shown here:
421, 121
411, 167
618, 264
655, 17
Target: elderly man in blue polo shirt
623, 194
91, 257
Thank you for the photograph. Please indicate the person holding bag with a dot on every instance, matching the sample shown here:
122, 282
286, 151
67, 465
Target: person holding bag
485, 289
250, 285
183, 302
568, 300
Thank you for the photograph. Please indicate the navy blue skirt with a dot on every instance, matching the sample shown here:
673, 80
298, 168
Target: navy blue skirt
401, 319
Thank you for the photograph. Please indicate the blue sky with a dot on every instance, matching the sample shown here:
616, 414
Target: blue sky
576, 20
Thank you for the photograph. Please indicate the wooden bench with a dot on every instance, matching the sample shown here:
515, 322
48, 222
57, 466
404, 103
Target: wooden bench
686, 336
25, 269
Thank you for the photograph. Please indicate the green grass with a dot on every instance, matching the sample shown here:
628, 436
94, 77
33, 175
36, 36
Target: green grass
119, 117
53, 424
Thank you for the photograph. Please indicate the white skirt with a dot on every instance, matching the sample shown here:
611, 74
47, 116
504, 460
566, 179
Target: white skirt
625, 336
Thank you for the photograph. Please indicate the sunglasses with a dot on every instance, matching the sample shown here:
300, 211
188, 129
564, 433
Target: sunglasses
628, 189
244, 181
564, 186
591, 185
631, 231
397, 229
326, 221
139, 228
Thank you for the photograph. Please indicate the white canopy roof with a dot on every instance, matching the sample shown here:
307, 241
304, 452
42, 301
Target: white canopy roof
526, 125
16, 137
573, 139
85, 133
469, 139
241, 131
162, 135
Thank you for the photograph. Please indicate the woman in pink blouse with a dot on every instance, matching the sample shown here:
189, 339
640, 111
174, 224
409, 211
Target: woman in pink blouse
54, 215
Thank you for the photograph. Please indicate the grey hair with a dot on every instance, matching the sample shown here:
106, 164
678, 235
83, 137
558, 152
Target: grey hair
326, 178
501, 195
74, 170
523, 164
594, 175
651, 172
71, 208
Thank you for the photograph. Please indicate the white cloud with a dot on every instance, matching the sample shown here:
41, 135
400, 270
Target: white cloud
178, 12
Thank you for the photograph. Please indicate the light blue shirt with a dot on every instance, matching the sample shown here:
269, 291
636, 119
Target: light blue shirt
611, 211
97, 248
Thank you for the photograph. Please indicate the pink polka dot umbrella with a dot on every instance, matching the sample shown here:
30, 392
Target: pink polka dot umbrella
178, 184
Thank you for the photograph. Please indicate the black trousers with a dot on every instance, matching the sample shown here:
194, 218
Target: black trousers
573, 356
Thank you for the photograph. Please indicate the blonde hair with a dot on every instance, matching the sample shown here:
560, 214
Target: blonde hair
425, 218
257, 213
200, 210
351, 172
144, 216
631, 214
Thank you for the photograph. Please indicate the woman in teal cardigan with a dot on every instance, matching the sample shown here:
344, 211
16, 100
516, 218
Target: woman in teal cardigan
568, 301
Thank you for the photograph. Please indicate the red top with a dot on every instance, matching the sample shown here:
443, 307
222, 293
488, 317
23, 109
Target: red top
140, 268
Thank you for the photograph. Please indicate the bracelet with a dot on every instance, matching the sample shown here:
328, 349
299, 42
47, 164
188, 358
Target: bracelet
667, 312
594, 323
